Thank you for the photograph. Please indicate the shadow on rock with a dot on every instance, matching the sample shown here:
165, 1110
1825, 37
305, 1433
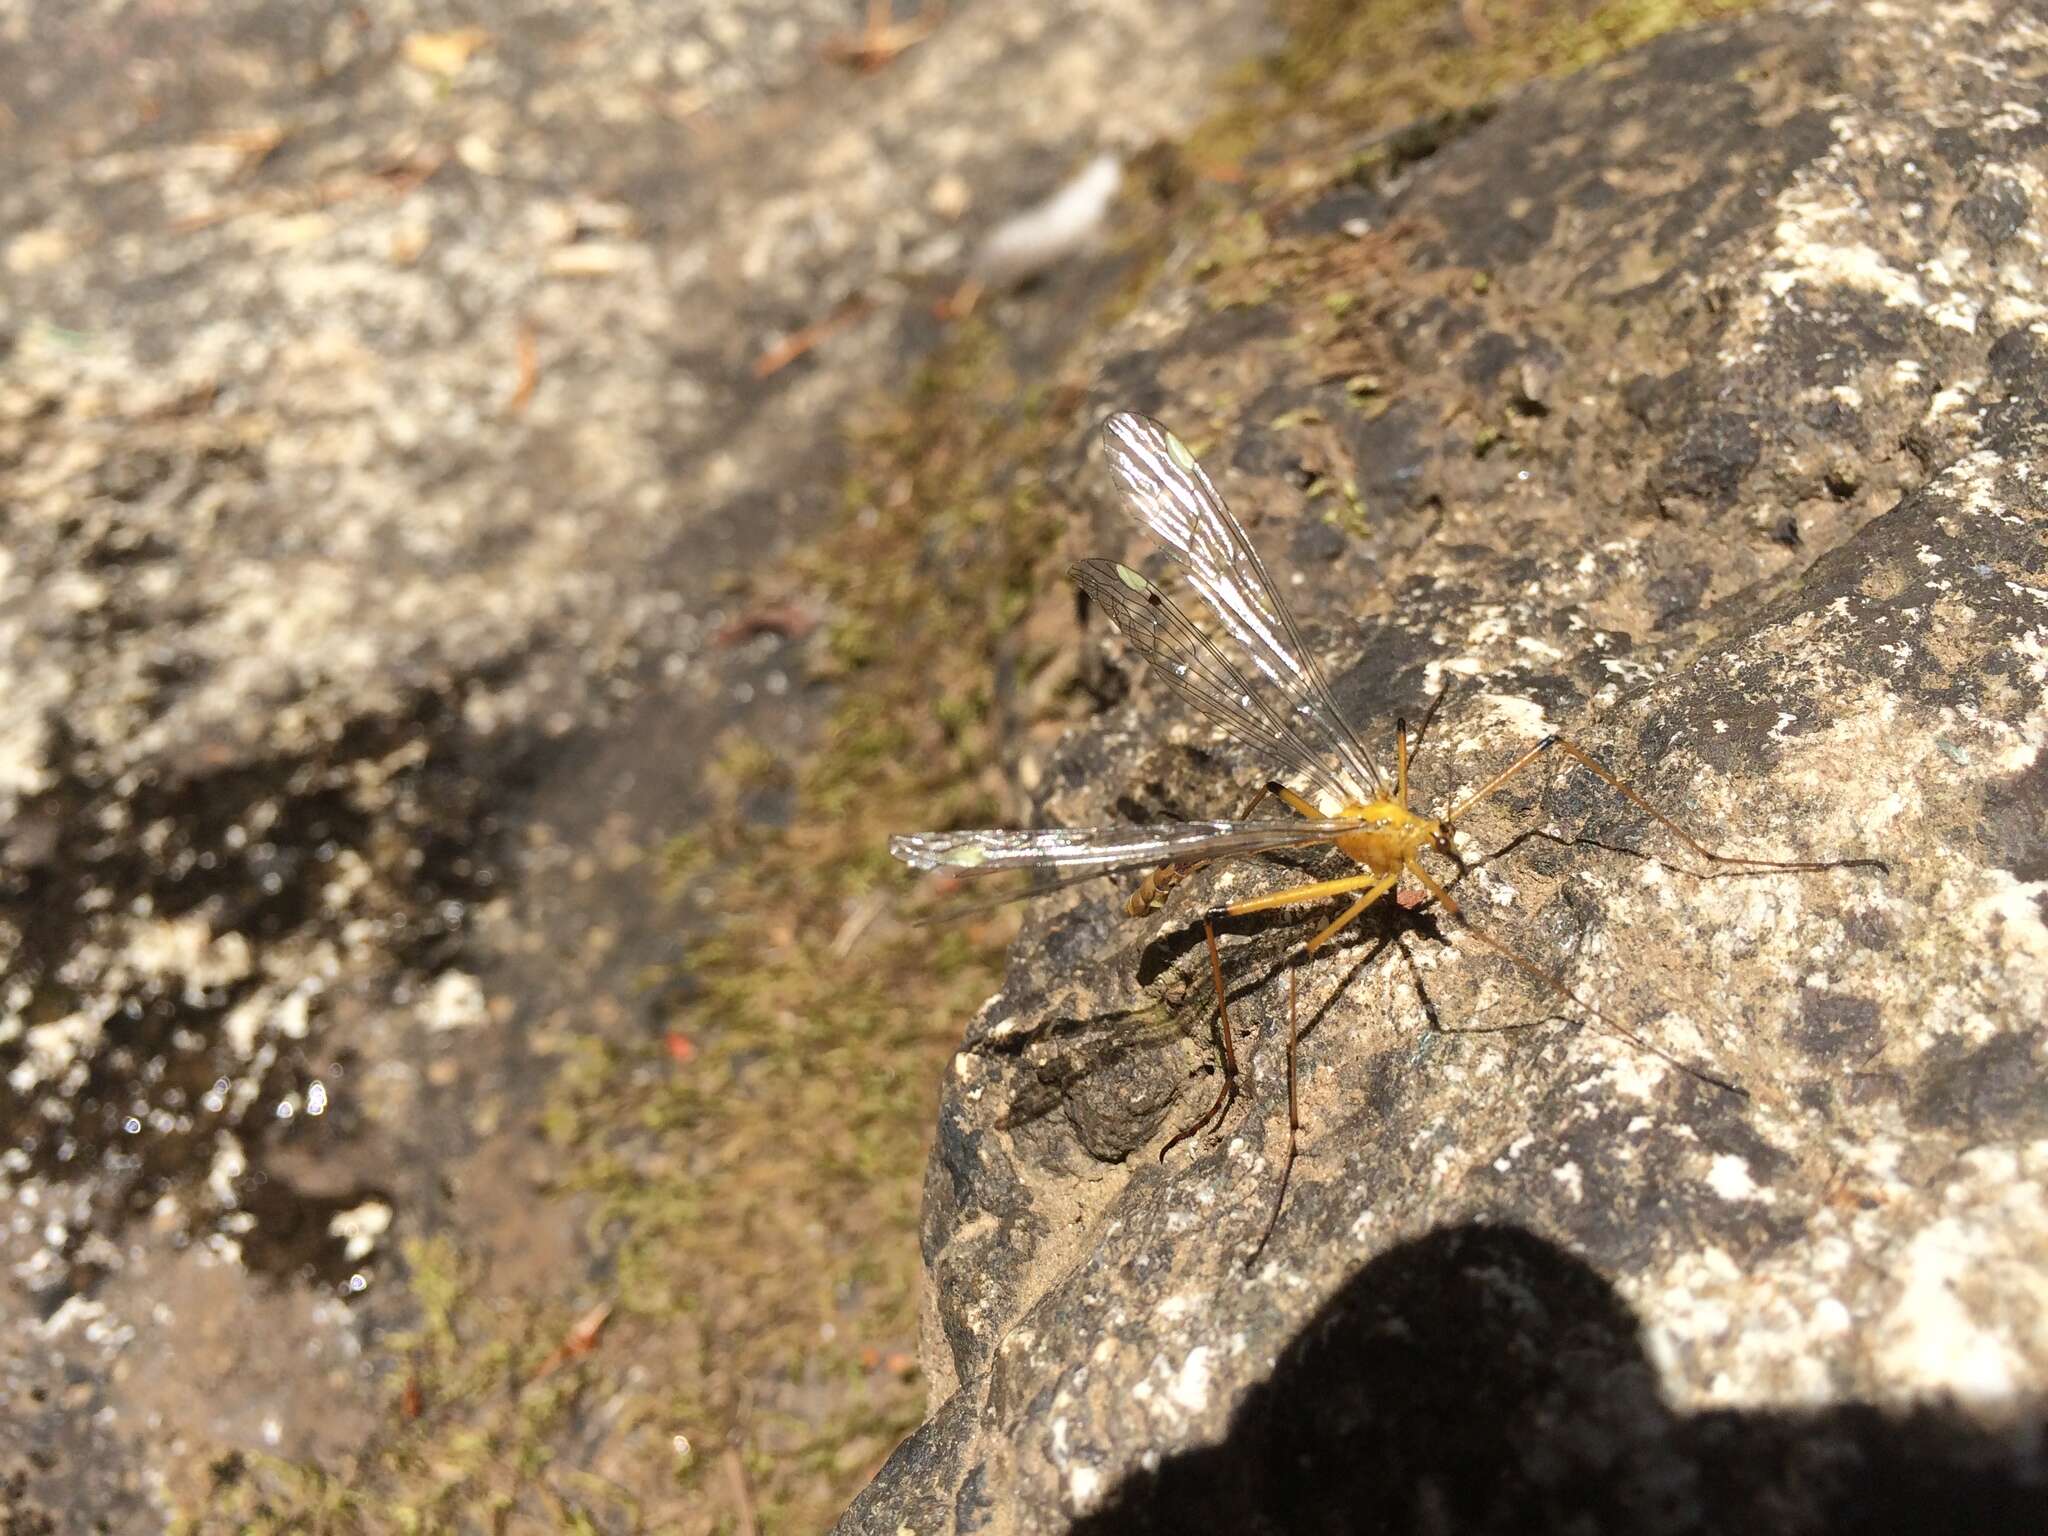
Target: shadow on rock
1481, 1379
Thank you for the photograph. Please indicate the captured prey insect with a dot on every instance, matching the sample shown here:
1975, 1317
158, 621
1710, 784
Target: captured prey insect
1280, 707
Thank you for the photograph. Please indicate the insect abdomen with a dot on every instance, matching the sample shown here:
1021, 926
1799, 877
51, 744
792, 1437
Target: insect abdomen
1154, 889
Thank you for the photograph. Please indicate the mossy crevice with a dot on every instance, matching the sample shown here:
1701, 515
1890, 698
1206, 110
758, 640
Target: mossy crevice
767, 1189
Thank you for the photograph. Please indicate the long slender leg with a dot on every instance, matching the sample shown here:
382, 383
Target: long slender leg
1295, 803
1300, 895
1158, 885
1259, 797
1228, 1090
1578, 755
1401, 762
1556, 984
1293, 896
1380, 886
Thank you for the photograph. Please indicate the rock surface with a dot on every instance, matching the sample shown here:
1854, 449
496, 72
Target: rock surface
1693, 407
385, 443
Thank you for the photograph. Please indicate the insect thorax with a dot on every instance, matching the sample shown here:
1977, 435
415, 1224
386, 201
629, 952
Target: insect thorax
1388, 835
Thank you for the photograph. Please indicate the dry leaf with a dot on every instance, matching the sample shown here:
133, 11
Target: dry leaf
579, 1341
444, 53
592, 259
529, 370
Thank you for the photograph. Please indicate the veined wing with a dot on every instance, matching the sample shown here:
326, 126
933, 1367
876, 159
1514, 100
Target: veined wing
1106, 850
1166, 491
1196, 669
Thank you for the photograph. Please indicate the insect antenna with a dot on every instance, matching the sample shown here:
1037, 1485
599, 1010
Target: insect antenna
1428, 717
1728, 864
1557, 984
1731, 863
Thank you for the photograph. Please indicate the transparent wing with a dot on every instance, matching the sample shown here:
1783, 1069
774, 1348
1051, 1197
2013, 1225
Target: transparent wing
1166, 491
1106, 850
1196, 669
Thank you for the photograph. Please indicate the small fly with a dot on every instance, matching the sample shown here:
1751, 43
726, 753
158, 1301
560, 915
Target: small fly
1280, 707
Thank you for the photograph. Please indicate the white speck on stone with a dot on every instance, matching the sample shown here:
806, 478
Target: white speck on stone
1821, 265
295, 1013
54, 1047
1571, 1179
1958, 314
1933, 1341
77, 1310
1636, 1074
24, 768
1084, 1484
359, 1228
1729, 1177
187, 947
1190, 1388
1497, 891
229, 1164
456, 1001
2015, 903
1521, 715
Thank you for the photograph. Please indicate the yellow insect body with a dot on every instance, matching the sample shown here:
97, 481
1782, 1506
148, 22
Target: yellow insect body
1388, 835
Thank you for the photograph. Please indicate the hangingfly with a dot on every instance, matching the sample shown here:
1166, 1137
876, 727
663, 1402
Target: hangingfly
1277, 705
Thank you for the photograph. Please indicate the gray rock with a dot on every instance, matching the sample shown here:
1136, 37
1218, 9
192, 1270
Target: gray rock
385, 447
1767, 535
